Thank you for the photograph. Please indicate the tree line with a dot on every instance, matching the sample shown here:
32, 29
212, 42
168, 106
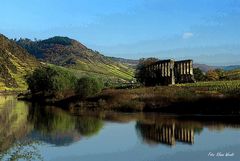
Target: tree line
59, 83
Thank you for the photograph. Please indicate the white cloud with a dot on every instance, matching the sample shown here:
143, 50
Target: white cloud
187, 35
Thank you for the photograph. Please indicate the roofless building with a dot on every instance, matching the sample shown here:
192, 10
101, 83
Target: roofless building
168, 72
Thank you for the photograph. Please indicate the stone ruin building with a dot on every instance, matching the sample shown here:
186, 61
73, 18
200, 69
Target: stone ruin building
167, 72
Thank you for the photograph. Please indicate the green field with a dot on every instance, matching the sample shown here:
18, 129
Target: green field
226, 87
216, 97
110, 74
112, 70
232, 74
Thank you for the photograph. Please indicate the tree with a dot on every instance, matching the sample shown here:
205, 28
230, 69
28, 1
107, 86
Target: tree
88, 86
212, 75
142, 75
220, 73
198, 74
50, 80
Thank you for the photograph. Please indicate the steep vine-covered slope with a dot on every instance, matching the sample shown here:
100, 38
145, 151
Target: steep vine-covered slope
15, 63
66, 52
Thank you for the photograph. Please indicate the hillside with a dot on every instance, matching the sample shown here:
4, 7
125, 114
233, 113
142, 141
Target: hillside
232, 74
231, 67
66, 52
15, 63
206, 68
131, 62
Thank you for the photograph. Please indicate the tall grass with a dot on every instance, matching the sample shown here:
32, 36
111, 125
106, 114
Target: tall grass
226, 87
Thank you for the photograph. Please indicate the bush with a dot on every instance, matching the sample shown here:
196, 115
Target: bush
88, 86
142, 75
220, 73
198, 74
212, 75
50, 80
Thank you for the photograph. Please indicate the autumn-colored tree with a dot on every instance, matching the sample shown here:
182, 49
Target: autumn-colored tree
220, 73
212, 75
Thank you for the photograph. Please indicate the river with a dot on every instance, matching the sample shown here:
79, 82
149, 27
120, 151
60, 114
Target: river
31, 132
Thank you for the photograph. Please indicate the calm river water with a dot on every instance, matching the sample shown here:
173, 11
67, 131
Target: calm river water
31, 132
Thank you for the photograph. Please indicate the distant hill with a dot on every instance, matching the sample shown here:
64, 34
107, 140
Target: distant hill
131, 62
231, 67
231, 72
66, 52
206, 68
15, 63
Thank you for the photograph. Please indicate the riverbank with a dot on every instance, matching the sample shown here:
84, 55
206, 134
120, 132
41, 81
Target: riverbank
176, 100
187, 99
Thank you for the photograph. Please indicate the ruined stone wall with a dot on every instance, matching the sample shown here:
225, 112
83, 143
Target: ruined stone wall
184, 71
162, 71
167, 72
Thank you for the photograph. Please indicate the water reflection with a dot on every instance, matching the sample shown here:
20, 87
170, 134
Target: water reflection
165, 133
170, 130
26, 127
22, 150
58, 127
14, 127
14, 123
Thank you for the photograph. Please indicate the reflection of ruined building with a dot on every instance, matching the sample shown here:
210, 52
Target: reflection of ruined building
171, 72
167, 134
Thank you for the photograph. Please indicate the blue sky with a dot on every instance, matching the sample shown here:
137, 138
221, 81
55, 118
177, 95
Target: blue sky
207, 31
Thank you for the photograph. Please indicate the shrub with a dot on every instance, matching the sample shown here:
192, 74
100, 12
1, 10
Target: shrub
220, 73
198, 74
142, 75
212, 75
50, 80
88, 86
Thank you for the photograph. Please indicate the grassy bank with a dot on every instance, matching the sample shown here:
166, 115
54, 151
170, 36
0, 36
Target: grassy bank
211, 98
220, 98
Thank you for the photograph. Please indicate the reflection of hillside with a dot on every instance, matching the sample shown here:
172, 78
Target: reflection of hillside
165, 133
13, 121
58, 127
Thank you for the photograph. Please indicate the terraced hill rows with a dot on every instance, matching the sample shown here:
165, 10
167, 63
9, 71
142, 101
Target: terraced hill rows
232, 74
66, 52
15, 63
